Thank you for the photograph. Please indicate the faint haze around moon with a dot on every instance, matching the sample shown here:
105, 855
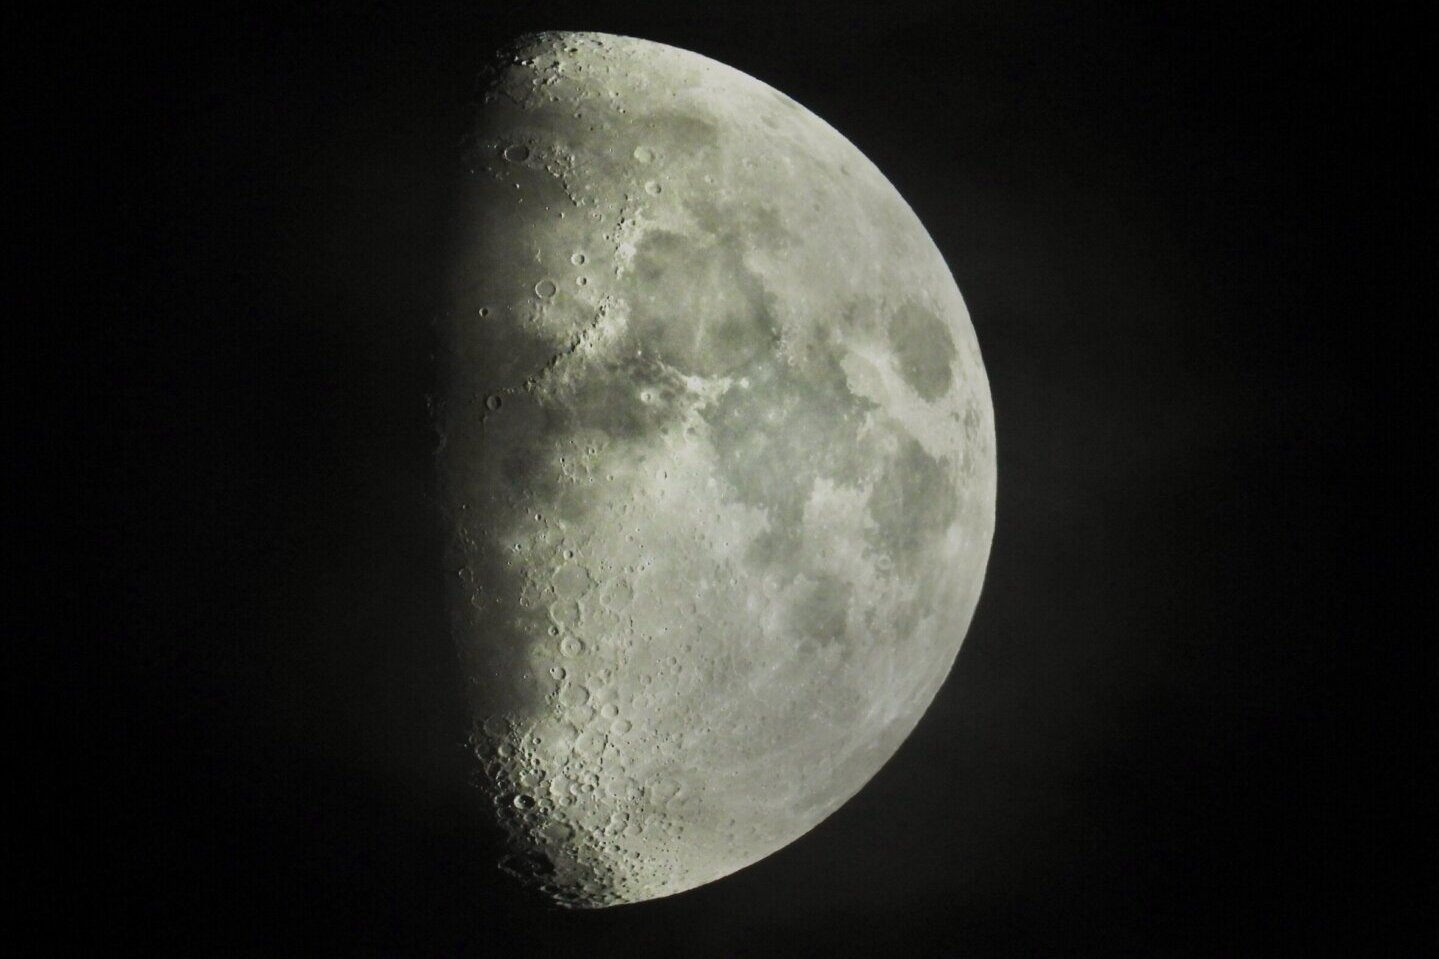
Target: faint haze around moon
717, 462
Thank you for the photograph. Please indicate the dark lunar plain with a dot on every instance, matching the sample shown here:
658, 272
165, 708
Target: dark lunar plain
1190, 716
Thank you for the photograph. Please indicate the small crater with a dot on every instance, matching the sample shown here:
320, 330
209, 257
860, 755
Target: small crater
516, 153
578, 259
644, 154
574, 696
565, 613
571, 581
493, 402
528, 865
546, 289
653, 188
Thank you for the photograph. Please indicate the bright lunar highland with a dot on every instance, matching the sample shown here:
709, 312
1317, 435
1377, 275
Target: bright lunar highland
717, 463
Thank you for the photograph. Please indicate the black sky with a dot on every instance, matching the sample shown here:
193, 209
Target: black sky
1186, 721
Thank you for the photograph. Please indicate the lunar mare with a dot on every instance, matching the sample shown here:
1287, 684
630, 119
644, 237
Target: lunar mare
717, 464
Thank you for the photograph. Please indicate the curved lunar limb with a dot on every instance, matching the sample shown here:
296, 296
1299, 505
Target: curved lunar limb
717, 462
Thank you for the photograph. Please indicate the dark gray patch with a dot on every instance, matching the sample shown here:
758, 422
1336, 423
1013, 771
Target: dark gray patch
925, 349
607, 398
821, 611
679, 134
913, 503
697, 306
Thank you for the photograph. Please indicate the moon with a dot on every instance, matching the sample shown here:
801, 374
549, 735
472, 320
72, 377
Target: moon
716, 460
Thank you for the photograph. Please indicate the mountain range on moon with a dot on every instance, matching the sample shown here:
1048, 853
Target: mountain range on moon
717, 465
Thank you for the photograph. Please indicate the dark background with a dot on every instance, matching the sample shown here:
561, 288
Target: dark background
1187, 719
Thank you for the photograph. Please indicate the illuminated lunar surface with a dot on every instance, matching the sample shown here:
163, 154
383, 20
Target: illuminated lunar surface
717, 463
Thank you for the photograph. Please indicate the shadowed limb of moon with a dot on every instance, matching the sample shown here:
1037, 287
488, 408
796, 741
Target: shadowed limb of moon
718, 465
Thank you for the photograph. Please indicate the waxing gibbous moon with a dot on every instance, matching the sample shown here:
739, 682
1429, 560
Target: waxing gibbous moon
717, 464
